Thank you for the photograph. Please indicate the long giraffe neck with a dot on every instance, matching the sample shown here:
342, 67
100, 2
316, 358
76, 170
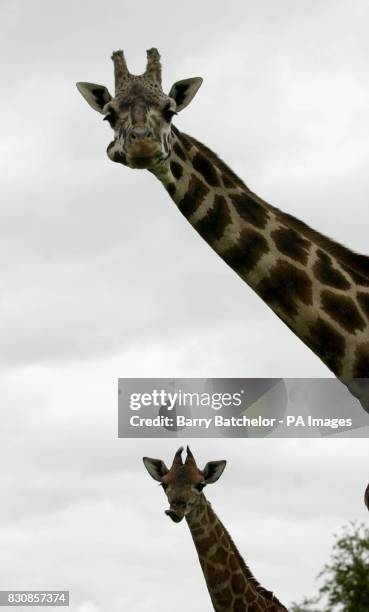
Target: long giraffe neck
317, 287
231, 585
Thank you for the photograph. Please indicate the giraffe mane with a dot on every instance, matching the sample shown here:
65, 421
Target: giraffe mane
355, 263
269, 595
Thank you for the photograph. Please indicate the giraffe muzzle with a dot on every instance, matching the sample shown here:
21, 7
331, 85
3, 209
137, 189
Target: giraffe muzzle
142, 152
174, 516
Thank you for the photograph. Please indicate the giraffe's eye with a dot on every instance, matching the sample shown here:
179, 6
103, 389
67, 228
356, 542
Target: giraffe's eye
199, 486
168, 113
164, 485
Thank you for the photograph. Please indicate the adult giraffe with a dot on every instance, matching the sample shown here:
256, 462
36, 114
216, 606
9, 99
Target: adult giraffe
319, 288
231, 585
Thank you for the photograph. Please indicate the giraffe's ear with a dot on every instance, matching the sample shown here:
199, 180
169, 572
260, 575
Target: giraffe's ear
183, 91
156, 468
213, 471
96, 95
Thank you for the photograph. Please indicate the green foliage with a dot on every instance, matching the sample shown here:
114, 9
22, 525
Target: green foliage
345, 586
305, 605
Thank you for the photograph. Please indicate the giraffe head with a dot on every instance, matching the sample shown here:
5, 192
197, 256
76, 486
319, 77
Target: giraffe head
140, 113
184, 482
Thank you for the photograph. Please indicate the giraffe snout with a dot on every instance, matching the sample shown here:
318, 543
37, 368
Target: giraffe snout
177, 510
142, 148
138, 133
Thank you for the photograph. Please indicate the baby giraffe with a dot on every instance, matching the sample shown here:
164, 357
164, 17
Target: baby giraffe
231, 585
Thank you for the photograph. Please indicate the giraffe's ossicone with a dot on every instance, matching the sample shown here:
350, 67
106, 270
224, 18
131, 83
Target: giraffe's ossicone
231, 585
319, 288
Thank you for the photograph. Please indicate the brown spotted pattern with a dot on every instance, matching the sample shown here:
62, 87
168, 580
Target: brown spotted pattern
246, 253
327, 343
328, 275
343, 310
319, 288
231, 584
285, 288
197, 190
212, 225
290, 243
249, 209
361, 362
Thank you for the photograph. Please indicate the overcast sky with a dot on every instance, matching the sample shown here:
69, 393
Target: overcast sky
102, 277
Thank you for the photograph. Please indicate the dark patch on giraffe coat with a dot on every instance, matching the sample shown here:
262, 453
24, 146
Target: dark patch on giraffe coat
184, 139
227, 181
238, 583
212, 225
225, 170
361, 363
196, 192
244, 255
218, 530
203, 545
327, 274
219, 556
239, 605
206, 169
176, 169
187, 143
290, 243
343, 310
250, 210
233, 563
171, 189
179, 151
285, 286
327, 343
223, 598
363, 299
350, 261
215, 577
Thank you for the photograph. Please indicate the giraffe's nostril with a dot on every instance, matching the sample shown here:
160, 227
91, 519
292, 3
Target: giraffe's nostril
140, 134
